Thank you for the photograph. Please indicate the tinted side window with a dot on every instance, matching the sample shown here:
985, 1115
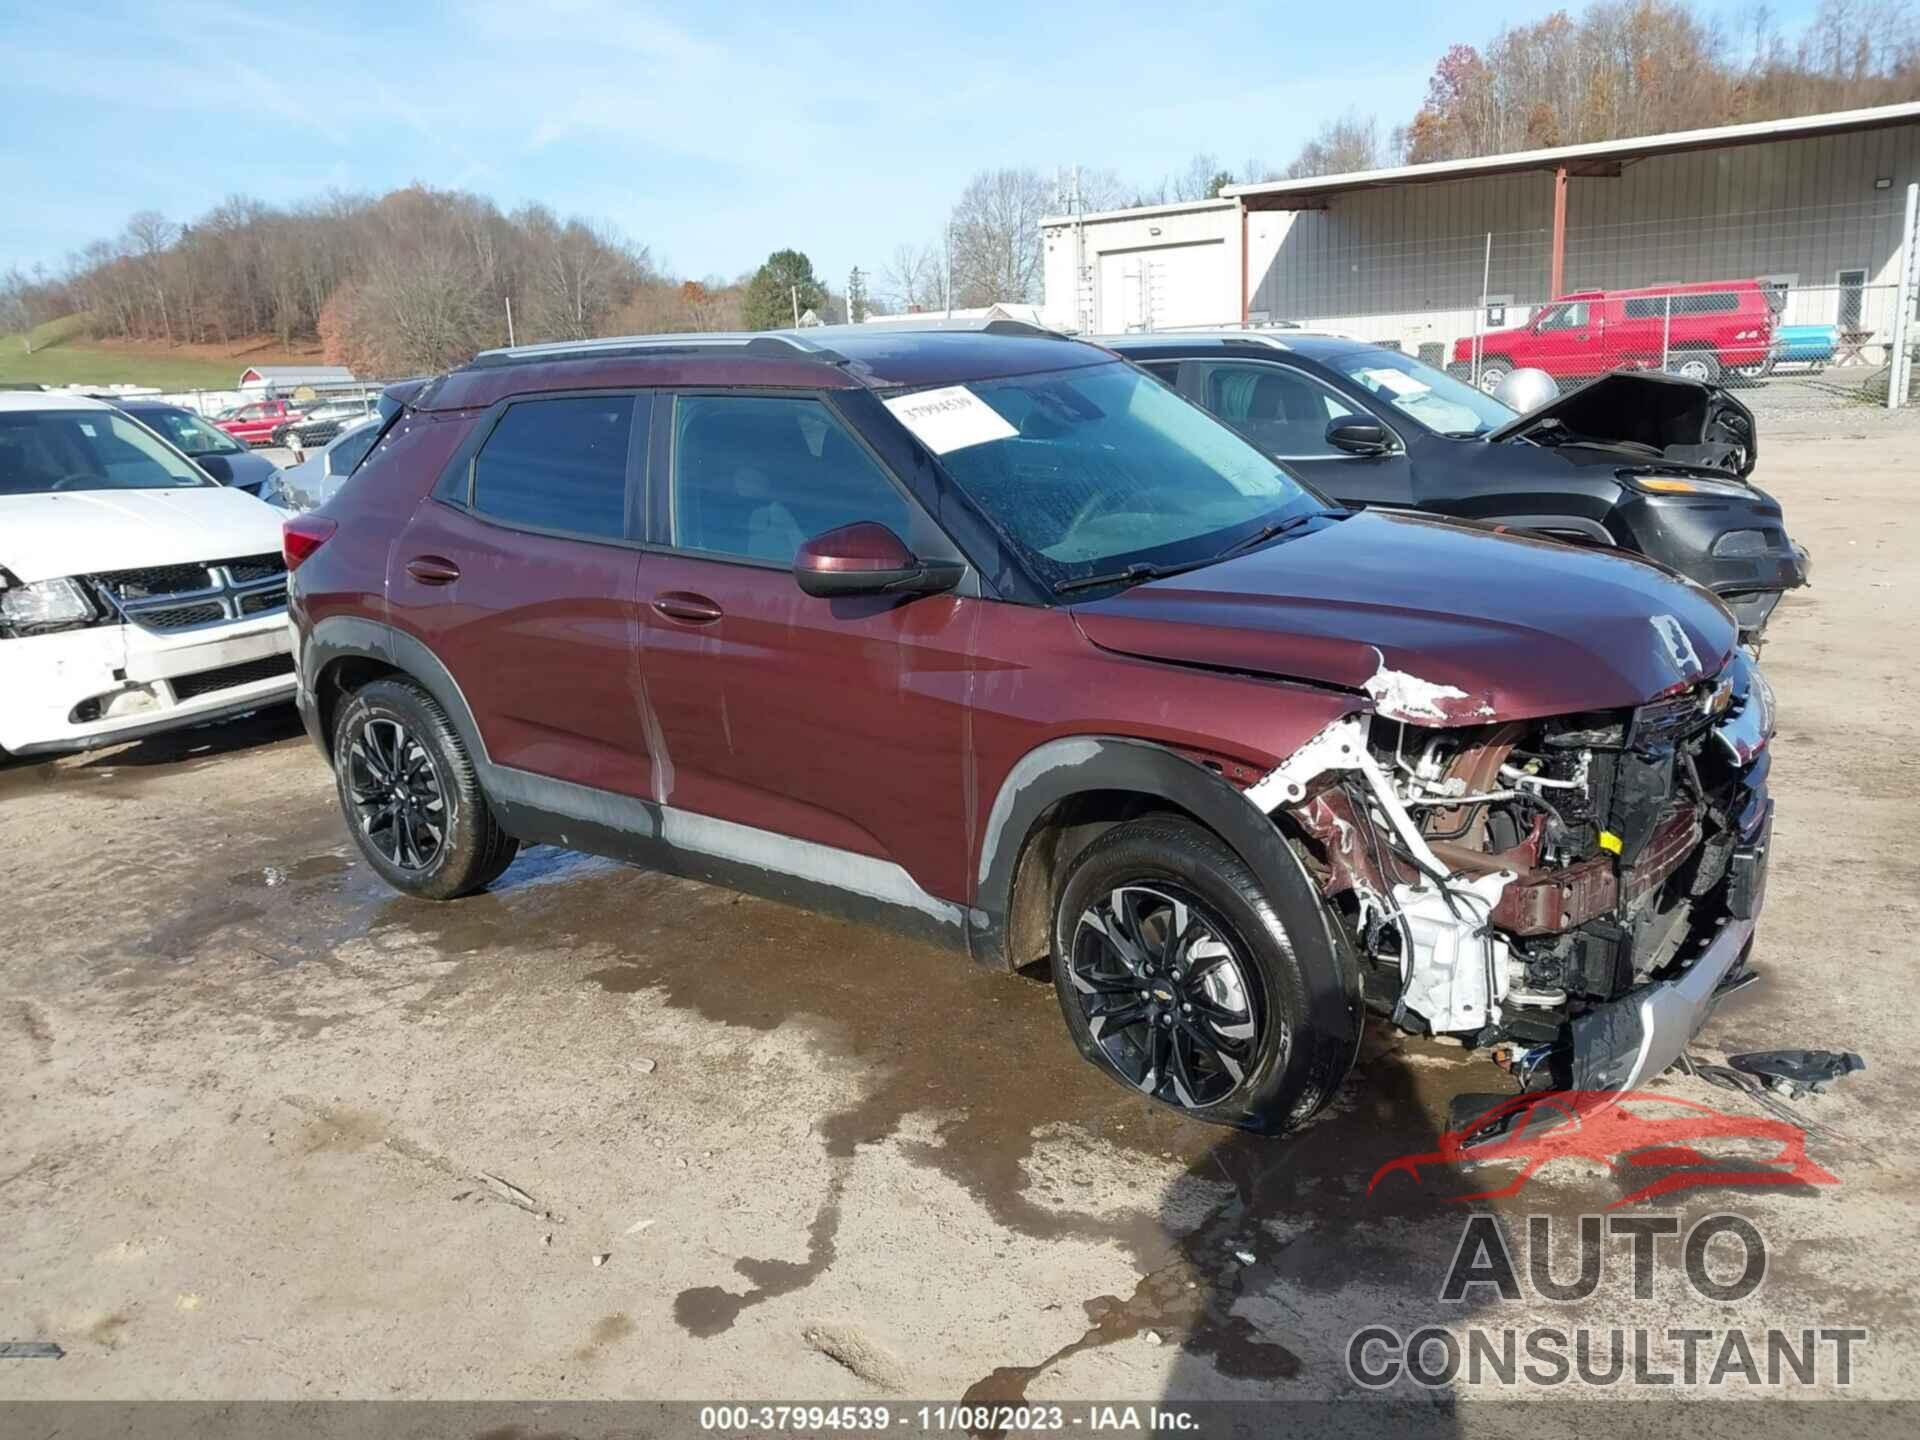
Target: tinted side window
754, 476
351, 450
1282, 411
558, 465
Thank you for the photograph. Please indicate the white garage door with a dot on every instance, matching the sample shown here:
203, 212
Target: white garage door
1162, 286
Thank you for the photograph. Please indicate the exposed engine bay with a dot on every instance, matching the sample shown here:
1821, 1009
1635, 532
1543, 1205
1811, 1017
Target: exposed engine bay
1647, 416
1575, 892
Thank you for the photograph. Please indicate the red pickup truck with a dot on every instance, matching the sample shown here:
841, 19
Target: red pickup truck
1699, 330
255, 422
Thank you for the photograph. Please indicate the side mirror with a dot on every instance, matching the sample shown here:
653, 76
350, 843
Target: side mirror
866, 558
1359, 435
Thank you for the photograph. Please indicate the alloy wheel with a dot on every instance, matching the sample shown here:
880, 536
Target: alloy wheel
398, 800
1166, 995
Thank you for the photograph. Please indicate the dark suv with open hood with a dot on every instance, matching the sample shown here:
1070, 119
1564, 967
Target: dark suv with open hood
990, 635
1655, 464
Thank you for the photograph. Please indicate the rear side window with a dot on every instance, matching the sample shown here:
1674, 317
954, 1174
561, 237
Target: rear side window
558, 465
351, 449
754, 476
1650, 307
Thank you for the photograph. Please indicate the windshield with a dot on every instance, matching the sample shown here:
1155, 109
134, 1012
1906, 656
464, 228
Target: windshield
1432, 398
1098, 469
189, 432
42, 451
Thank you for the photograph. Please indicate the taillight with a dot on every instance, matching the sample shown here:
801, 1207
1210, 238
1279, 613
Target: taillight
302, 535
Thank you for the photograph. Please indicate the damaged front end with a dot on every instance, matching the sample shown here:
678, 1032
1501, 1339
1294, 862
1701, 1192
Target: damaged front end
1577, 892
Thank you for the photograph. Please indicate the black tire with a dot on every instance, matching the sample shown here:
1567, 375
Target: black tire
1695, 365
411, 797
1493, 369
1269, 1080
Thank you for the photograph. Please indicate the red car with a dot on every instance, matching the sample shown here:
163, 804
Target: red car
991, 636
1701, 331
255, 422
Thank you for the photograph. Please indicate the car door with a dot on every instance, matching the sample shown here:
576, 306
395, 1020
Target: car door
1285, 411
520, 574
1564, 342
836, 721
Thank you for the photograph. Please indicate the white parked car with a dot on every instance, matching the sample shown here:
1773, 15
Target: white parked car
136, 595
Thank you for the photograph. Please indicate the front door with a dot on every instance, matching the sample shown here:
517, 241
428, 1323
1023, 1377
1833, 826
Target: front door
1564, 342
1286, 412
523, 580
835, 721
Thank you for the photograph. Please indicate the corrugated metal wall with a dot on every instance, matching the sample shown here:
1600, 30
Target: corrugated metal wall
1410, 258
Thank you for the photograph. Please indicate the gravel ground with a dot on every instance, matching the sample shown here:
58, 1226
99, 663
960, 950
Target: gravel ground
271, 1131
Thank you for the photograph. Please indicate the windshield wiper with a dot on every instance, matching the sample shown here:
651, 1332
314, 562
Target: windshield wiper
1137, 574
1273, 531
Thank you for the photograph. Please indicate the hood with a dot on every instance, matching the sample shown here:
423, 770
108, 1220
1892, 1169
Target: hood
1440, 621
1649, 416
246, 471
81, 532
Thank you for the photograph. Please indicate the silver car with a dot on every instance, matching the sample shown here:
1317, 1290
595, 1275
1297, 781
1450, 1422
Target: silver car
314, 480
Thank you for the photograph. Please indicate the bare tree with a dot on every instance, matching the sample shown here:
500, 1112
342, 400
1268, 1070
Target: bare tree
1343, 145
914, 278
996, 236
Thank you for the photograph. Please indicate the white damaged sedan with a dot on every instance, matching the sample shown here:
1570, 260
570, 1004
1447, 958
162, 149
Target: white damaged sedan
136, 595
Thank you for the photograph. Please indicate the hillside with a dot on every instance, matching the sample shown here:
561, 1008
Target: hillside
63, 353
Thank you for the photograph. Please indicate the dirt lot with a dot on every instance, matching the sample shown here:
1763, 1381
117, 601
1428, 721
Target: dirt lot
271, 1131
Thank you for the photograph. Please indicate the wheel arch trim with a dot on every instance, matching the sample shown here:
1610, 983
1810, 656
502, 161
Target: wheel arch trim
1077, 765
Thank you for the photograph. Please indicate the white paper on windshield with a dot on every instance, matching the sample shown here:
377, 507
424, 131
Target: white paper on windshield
950, 419
1396, 382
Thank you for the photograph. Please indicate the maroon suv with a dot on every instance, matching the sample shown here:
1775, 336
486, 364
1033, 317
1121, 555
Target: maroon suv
991, 635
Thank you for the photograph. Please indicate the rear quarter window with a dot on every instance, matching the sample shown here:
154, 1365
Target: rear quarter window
558, 465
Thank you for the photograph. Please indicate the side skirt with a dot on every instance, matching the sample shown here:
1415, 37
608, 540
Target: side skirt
538, 810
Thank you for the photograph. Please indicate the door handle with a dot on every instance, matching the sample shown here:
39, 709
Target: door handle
683, 605
433, 570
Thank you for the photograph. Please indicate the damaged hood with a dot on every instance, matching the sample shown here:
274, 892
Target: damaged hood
1649, 416
80, 532
1439, 621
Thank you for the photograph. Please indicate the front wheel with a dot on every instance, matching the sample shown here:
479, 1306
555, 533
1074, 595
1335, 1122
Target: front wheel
1493, 372
1179, 979
411, 796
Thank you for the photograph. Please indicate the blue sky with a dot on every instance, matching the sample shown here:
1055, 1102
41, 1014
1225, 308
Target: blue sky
710, 134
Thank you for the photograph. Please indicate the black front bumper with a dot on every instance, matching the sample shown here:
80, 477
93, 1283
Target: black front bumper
1735, 545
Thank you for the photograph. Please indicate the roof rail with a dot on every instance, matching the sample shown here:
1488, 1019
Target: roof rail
617, 347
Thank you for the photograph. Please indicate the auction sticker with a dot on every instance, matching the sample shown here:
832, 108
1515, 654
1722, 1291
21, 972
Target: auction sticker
951, 418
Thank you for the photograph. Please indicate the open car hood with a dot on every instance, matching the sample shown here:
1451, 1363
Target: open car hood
1441, 622
1649, 416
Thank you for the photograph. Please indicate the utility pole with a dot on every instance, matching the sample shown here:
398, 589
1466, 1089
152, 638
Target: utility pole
949, 269
794, 291
509, 300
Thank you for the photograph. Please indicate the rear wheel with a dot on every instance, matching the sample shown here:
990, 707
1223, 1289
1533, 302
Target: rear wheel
1694, 365
1178, 978
411, 796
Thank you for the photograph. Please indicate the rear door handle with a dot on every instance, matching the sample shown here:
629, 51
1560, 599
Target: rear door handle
433, 570
683, 605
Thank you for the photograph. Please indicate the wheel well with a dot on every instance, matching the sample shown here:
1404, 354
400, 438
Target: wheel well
341, 678
1055, 839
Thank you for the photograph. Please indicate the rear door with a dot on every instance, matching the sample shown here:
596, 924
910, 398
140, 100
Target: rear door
520, 573
835, 721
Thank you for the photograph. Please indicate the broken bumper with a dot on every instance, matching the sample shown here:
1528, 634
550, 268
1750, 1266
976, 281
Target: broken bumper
1621, 1045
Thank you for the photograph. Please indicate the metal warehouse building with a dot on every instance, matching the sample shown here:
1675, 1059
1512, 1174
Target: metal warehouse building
1423, 254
